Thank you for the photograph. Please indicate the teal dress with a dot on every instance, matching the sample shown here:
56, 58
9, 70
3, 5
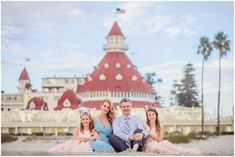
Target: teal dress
102, 145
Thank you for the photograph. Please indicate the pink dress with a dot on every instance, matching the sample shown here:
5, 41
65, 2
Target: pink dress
166, 147
74, 145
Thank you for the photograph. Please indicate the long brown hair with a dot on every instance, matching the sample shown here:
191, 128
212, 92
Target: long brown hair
157, 122
91, 125
111, 113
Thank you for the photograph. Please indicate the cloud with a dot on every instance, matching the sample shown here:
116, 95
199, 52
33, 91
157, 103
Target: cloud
208, 15
173, 70
76, 13
172, 31
11, 62
149, 16
158, 23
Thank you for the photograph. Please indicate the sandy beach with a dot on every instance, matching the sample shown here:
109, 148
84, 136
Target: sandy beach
213, 146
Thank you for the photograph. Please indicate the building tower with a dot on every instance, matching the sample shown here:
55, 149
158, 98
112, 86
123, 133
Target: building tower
115, 77
24, 82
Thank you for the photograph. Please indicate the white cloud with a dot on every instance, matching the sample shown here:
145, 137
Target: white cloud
172, 31
173, 70
158, 23
189, 18
148, 16
168, 49
12, 62
208, 15
76, 13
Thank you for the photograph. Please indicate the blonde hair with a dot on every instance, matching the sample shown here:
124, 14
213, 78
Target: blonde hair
111, 113
91, 125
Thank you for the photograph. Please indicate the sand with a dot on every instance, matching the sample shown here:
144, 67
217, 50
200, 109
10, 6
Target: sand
216, 145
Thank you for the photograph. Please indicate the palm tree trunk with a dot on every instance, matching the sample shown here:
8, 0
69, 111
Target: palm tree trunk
218, 116
202, 94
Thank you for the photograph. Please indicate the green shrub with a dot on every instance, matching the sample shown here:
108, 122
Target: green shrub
7, 138
49, 134
22, 134
228, 133
196, 136
175, 133
37, 134
206, 133
178, 139
69, 134
61, 133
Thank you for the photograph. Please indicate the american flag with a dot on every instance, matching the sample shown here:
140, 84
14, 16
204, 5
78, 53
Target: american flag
120, 11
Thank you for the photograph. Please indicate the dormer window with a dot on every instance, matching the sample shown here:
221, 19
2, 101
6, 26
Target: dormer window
102, 77
134, 78
128, 66
106, 65
119, 77
117, 65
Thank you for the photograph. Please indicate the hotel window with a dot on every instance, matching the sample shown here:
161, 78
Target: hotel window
119, 77
117, 65
128, 94
102, 77
106, 65
134, 78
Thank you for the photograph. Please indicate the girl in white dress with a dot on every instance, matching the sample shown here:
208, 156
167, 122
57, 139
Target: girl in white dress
155, 142
82, 137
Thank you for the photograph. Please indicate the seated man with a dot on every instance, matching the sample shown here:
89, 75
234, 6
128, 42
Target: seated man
128, 130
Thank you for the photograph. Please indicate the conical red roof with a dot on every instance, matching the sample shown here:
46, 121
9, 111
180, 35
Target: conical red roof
115, 30
24, 75
112, 65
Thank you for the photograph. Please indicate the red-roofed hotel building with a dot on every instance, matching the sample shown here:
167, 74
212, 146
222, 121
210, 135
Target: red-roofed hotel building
115, 77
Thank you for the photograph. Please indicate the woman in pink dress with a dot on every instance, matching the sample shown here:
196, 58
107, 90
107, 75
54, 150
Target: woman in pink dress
82, 137
155, 142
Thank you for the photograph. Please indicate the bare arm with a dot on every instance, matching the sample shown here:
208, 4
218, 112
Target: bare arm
158, 136
95, 136
75, 134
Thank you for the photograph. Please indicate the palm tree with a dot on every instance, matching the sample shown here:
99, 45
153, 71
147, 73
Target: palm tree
204, 49
221, 43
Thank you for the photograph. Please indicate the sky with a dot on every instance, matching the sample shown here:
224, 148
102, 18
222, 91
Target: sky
66, 39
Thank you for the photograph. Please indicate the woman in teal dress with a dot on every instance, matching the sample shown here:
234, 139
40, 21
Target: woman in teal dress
103, 126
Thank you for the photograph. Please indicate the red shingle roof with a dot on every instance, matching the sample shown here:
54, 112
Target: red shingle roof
39, 104
131, 78
71, 96
24, 75
115, 30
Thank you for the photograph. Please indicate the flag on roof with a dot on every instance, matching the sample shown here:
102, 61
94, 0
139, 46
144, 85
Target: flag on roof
120, 11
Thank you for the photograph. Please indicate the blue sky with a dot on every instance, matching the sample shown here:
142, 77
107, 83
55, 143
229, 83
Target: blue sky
66, 39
